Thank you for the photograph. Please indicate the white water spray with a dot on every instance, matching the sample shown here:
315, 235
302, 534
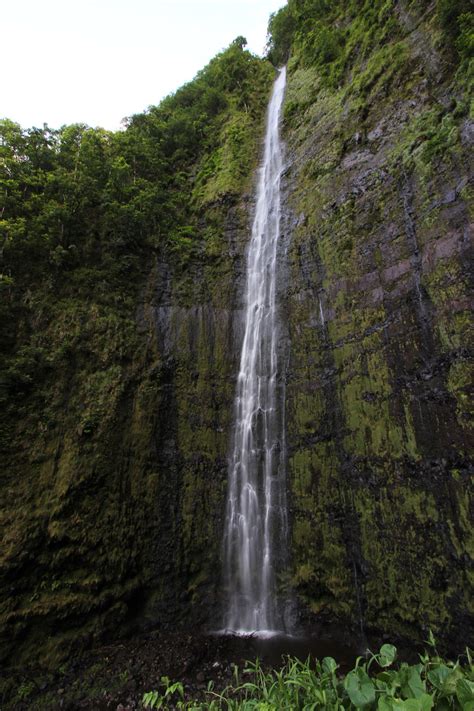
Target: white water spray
256, 516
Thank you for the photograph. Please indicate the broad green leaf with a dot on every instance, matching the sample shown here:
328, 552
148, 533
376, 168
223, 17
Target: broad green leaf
329, 665
424, 703
387, 655
360, 688
468, 706
410, 705
390, 704
386, 676
414, 686
445, 679
427, 702
383, 688
465, 694
438, 676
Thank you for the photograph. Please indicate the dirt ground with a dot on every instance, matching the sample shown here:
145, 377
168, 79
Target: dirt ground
116, 676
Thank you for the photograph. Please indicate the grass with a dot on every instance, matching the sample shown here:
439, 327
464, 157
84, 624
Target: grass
376, 682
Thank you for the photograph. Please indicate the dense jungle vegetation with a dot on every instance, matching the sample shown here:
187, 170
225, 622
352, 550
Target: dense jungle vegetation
82, 204
84, 211
333, 36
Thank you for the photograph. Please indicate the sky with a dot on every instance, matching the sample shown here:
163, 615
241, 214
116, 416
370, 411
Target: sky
98, 61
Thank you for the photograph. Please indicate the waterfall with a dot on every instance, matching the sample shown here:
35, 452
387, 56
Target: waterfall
256, 517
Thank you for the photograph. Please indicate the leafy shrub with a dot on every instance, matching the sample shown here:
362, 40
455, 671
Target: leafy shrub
449, 12
321, 45
465, 39
281, 28
375, 684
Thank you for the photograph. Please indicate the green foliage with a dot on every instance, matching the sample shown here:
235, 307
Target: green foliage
360, 688
80, 197
465, 38
449, 13
342, 39
430, 137
155, 700
382, 67
374, 684
25, 690
464, 44
224, 169
333, 37
281, 28
456, 19
321, 45
85, 211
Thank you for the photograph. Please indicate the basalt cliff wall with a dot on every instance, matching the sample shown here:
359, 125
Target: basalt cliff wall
115, 449
378, 305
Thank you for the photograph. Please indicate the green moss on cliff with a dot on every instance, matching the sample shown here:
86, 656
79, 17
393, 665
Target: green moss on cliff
378, 137
123, 259
117, 356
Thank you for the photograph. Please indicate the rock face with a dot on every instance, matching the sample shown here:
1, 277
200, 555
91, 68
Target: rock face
113, 490
115, 425
378, 307
114, 514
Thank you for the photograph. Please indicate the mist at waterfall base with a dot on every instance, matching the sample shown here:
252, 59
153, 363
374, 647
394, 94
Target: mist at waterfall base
255, 543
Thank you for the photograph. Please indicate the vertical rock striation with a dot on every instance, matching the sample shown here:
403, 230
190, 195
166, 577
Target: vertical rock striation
378, 303
115, 426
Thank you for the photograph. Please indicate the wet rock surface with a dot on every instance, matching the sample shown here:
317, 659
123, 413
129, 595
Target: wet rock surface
378, 304
122, 525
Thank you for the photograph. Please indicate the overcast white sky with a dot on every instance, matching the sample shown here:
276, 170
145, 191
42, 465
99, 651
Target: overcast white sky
97, 61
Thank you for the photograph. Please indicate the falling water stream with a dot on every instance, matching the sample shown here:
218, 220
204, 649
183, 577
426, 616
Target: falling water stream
256, 517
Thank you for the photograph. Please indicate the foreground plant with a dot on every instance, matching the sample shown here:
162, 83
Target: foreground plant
374, 683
